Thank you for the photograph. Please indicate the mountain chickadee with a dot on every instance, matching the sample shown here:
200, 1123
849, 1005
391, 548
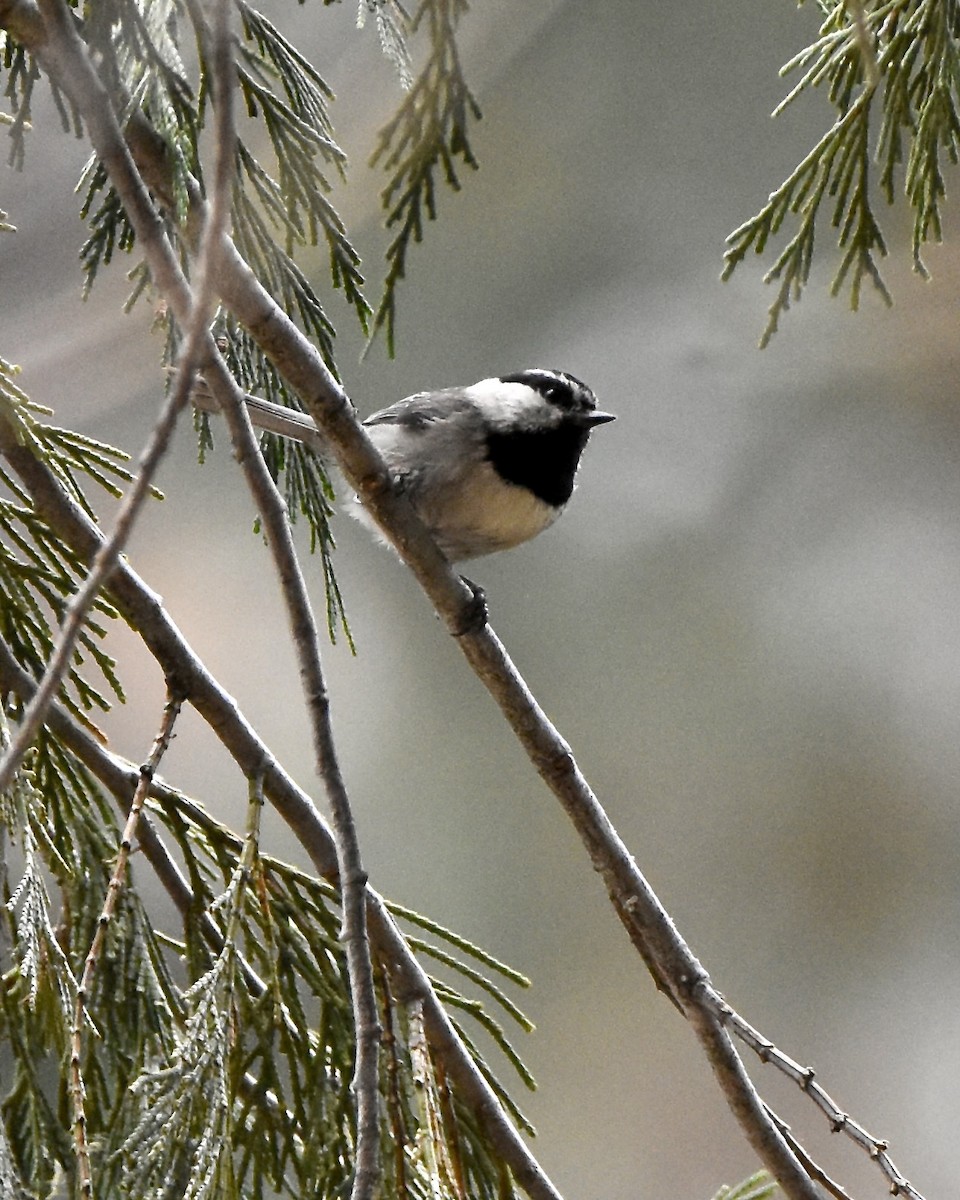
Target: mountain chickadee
491, 465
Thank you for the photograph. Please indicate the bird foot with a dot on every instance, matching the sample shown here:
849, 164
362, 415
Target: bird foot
474, 615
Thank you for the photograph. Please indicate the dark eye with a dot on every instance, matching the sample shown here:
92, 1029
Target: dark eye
556, 387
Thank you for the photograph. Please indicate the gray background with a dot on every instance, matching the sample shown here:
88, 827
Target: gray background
746, 624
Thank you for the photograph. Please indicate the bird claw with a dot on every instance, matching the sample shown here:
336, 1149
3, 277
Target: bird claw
473, 616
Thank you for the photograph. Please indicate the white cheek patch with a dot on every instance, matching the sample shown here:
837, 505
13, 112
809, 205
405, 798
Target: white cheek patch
510, 404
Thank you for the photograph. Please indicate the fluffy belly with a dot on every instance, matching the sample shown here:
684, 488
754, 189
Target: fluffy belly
486, 516
475, 518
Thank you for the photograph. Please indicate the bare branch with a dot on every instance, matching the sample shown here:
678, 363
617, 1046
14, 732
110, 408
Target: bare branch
761, 1131
273, 418
812, 1168
804, 1078
352, 876
650, 928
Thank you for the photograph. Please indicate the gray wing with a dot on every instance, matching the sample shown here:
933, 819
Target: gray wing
422, 409
432, 436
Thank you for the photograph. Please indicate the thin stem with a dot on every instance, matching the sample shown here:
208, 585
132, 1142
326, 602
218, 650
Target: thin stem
352, 877
162, 740
804, 1078
263, 414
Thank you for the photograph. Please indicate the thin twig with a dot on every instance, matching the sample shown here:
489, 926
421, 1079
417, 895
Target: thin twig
815, 1170
171, 711
352, 877
263, 414
804, 1078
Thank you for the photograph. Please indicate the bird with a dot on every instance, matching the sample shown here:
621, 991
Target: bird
490, 465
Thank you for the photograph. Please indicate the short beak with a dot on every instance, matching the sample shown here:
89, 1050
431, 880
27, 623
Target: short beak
589, 419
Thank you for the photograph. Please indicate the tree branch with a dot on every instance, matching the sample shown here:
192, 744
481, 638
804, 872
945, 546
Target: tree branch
64, 56
352, 876
121, 779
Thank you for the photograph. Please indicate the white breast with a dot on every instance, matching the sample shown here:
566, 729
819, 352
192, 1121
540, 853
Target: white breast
474, 516
483, 514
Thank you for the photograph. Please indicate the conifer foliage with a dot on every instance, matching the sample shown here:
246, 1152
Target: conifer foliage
891, 71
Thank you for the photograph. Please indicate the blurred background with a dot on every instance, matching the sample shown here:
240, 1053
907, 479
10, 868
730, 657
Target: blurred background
746, 624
